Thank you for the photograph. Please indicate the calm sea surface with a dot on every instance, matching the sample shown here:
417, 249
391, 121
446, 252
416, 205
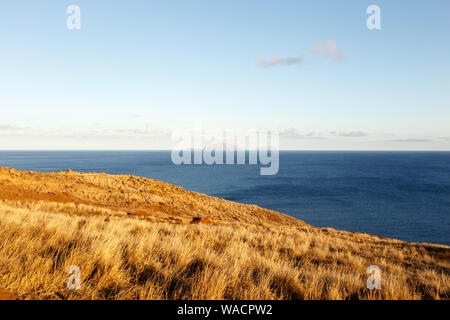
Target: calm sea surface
404, 195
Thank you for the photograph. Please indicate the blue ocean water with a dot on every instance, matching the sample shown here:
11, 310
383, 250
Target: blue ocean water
403, 195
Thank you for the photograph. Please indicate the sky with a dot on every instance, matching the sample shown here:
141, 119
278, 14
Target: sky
136, 71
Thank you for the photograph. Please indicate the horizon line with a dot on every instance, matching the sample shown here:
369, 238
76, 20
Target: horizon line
234, 150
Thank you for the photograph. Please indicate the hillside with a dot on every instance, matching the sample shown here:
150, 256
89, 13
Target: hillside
137, 238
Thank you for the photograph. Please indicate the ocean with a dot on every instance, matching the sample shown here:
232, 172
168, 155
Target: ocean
402, 195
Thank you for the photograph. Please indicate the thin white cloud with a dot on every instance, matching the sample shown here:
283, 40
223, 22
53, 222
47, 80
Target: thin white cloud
278, 61
147, 131
7, 127
353, 134
349, 134
292, 133
411, 140
328, 49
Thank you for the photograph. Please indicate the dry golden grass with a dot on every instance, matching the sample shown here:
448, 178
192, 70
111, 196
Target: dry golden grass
134, 238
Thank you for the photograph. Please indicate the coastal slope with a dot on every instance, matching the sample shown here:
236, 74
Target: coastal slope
138, 238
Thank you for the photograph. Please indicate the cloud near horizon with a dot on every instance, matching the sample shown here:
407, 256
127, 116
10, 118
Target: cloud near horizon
292, 133
7, 127
349, 134
411, 140
148, 131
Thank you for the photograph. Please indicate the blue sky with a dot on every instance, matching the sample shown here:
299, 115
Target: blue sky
138, 70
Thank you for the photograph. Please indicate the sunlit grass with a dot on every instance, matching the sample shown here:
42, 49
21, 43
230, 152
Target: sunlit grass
242, 252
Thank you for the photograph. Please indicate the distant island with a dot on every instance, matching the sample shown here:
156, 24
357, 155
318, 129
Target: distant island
137, 238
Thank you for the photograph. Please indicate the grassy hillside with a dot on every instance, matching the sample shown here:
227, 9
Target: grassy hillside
137, 238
